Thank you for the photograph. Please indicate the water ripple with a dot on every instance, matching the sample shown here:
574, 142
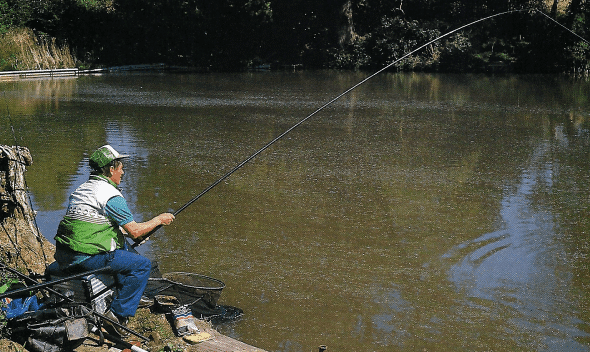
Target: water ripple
516, 266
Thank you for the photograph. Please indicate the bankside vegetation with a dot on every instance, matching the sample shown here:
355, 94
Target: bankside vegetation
21, 49
349, 34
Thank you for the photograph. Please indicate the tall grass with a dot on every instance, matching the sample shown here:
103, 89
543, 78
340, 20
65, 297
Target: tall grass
21, 49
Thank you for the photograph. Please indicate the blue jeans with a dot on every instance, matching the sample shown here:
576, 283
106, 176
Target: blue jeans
132, 272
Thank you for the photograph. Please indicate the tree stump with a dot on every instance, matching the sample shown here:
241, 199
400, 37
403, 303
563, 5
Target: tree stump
22, 245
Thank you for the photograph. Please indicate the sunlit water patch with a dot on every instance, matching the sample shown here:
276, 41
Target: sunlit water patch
521, 265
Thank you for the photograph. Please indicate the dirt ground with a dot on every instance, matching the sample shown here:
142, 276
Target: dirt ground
156, 327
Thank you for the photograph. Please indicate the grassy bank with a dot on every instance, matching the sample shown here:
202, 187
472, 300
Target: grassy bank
21, 49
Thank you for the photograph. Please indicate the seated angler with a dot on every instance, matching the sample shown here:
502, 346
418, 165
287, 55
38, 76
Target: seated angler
92, 234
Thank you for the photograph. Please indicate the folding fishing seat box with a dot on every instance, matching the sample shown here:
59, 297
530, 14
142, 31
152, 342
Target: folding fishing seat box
96, 289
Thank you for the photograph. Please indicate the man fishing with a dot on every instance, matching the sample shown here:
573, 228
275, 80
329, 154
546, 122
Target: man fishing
92, 235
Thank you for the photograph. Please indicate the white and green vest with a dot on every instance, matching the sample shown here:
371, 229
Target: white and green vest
85, 227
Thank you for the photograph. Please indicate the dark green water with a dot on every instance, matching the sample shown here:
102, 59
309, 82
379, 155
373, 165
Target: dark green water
419, 212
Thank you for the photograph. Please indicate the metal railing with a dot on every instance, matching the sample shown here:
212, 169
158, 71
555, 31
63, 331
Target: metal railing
40, 73
65, 72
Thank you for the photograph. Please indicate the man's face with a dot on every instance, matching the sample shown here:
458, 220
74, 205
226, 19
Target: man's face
117, 174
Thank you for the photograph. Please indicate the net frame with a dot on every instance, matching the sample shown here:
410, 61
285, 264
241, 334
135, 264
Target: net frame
189, 279
189, 288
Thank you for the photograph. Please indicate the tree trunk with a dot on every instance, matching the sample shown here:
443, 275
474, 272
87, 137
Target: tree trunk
347, 30
573, 11
554, 9
22, 244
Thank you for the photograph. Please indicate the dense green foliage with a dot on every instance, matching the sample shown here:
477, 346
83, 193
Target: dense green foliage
365, 34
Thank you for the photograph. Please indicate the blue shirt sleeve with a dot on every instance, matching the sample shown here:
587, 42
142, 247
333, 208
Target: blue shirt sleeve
118, 210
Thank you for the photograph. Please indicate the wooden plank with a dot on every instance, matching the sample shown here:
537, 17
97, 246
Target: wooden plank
221, 343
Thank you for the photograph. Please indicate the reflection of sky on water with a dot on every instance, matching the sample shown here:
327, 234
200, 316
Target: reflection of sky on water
520, 266
49, 220
390, 329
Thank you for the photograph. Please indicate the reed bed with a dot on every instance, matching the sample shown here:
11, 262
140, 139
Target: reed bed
21, 49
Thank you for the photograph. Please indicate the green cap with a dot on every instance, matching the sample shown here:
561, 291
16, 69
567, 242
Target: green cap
105, 155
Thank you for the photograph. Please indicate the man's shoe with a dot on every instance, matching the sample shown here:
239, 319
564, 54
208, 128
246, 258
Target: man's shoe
115, 329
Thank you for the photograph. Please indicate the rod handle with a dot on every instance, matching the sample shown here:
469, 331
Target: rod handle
144, 238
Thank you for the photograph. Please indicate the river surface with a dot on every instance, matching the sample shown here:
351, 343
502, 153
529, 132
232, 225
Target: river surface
419, 212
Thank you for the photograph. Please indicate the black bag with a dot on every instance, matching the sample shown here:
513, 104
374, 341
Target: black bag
52, 329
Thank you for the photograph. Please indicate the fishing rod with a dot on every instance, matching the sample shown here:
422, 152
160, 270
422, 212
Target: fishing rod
38, 286
280, 136
562, 26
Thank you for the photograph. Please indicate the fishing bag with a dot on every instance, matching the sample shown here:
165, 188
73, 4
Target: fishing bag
54, 329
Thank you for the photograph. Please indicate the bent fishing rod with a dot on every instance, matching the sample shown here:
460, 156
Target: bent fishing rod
280, 136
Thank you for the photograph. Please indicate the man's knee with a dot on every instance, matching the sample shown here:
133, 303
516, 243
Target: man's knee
146, 264
131, 262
